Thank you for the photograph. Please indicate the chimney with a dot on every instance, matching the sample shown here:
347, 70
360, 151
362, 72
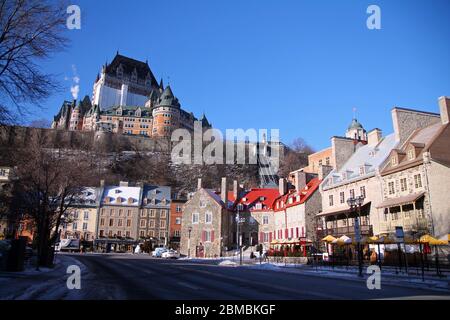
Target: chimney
282, 187
236, 189
341, 150
223, 190
374, 136
324, 171
444, 107
405, 121
123, 184
300, 180
199, 183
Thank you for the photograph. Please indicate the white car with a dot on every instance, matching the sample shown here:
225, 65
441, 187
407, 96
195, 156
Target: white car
158, 252
170, 254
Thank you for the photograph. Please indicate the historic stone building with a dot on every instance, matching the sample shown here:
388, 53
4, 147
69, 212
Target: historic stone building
295, 210
414, 179
82, 216
154, 217
176, 216
357, 174
127, 99
118, 217
123, 82
207, 223
256, 207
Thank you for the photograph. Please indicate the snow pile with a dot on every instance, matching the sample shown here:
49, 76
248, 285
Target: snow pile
227, 263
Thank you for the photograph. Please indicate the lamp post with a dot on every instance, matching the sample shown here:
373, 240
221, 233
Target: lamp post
356, 202
239, 220
189, 241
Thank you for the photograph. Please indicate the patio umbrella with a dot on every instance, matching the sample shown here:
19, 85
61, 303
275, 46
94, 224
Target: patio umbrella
376, 240
329, 238
433, 242
343, 240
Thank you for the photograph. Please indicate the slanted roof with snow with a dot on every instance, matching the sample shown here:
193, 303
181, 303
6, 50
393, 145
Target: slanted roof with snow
124, 196
363, 163
156, 196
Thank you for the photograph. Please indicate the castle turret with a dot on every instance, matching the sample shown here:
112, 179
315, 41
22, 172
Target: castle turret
166, 114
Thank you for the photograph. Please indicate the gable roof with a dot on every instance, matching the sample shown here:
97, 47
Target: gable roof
260, 195
304, 195
421, 139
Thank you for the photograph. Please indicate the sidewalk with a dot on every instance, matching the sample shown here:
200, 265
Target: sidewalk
351, 273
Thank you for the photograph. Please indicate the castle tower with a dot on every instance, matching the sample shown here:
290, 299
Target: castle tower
123, 82
356, 131
166, 114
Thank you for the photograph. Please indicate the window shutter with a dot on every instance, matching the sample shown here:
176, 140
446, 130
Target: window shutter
270, 237
261, 237
297, 232
212, 235
203, 236
286, 235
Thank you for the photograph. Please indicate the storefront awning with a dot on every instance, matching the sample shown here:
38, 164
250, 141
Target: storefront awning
401, 200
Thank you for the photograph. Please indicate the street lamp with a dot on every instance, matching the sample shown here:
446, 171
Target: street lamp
356, 202
189, 241
239, 220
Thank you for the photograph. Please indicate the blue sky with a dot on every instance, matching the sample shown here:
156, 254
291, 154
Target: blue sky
300, 66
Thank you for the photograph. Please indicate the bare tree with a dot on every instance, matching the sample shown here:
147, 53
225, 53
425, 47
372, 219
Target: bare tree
40, 123
47, 183
30, 31
296, 157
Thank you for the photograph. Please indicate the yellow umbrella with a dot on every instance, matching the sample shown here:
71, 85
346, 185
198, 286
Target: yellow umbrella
329, 238
373, 239
274, 242
432, 241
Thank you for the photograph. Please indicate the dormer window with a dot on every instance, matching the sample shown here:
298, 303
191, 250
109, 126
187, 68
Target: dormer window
148, 80
130, 200
394, 161
262, 198
258, 206
119, 71
411, 154
117, 191
134, 76
362, 170
120, 199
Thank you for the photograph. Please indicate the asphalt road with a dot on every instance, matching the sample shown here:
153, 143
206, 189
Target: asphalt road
116, 276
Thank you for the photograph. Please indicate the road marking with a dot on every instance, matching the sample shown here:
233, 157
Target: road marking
190, 286
281, 288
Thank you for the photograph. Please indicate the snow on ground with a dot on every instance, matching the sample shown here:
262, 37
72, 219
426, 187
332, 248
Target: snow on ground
49, 283
352, 274
228, 263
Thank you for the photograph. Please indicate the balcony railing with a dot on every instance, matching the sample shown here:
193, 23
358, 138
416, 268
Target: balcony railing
408, 224
366, 230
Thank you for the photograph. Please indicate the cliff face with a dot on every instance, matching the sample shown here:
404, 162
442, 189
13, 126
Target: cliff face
127, 158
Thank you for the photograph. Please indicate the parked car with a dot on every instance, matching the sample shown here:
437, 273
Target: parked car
170, 254
158, 252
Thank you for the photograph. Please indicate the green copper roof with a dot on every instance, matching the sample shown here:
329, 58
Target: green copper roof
355, 124
168, 99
